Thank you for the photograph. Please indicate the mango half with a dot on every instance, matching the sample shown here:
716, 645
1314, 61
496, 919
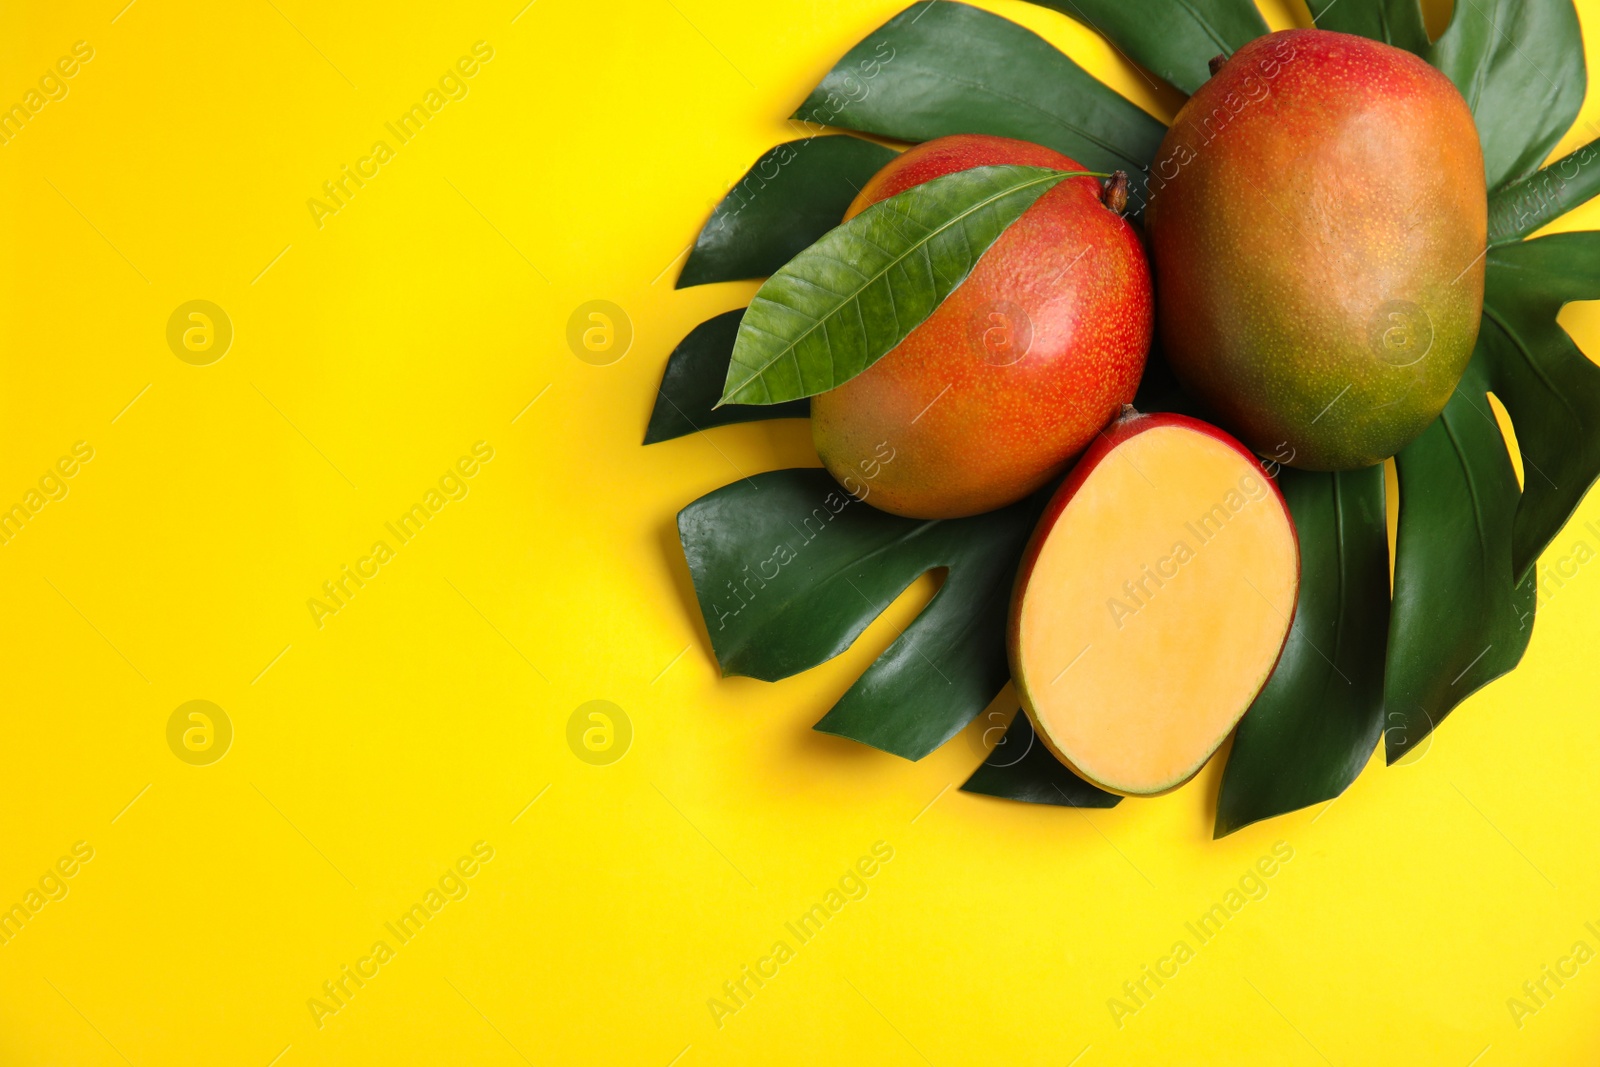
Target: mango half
1152, 602
1318, 219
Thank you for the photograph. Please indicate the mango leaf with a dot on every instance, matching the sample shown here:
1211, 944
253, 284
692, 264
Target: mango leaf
941, 67
1173, 39
1530, 203
1458, 621
1020, 767
839, 306
1519, 63
692, 384
1550, 389
793, 195
789, 569
1396, 22
1313, 728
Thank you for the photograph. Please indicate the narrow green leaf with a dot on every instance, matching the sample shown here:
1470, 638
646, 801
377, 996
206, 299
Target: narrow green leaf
942, 67
1020, 767
1315, 725
793, 195
1173, 39
1457, 622
842, 304
1539, 199
1550, 389
1396, 22
1519, 63
789, 570
692, 384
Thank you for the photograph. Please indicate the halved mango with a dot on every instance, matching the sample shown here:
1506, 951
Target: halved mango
1152, 602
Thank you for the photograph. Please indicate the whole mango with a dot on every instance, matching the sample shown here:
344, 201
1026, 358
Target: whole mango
1021, 367
1318, 219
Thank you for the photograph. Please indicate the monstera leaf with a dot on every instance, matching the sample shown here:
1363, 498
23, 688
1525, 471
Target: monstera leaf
691, 386
1315, 725
1396, 22
1175, 39
1519, 63
942, 67
791, 196
789, 569
1019, 767
1523, 206
1458, 621
1550, 389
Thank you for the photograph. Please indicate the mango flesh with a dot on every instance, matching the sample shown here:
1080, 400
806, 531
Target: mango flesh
993, 394
1152, 603
1318, 221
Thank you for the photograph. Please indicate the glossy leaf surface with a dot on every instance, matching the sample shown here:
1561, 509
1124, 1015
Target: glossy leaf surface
1314, 727
1519, 63
1550, 388
1174, 39
692, 384
1524, 206
943, 67
1020, 767
795, 193
1396, 22
789, 570
1457, 621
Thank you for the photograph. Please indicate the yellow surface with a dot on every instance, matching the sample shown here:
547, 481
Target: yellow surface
371, 754
1170, 527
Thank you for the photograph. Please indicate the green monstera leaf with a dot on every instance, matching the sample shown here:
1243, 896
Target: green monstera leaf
1315, 725
1458, 620
942, 67
691, 386
842, 304
1020, 767
1550, 389
1174, 39
1525, 205
1396, 22
792, 195
789, 569
1519, 63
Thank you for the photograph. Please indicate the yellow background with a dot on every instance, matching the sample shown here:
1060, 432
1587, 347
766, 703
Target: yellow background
372, 752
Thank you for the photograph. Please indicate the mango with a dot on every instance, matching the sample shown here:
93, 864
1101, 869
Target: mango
1318, 219
1022, 365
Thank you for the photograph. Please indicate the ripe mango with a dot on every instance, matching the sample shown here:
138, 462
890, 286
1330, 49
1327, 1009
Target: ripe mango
1021, 366
1318, 220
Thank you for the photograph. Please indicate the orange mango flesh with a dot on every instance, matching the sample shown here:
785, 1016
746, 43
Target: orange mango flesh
1154, 609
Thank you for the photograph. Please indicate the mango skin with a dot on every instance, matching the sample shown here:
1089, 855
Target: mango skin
1318, 220
1020, 367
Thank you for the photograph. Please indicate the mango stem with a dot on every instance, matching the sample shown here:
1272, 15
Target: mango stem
1114, 191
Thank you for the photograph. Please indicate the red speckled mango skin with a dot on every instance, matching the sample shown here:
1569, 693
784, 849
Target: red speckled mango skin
1317, 221
1016, 371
